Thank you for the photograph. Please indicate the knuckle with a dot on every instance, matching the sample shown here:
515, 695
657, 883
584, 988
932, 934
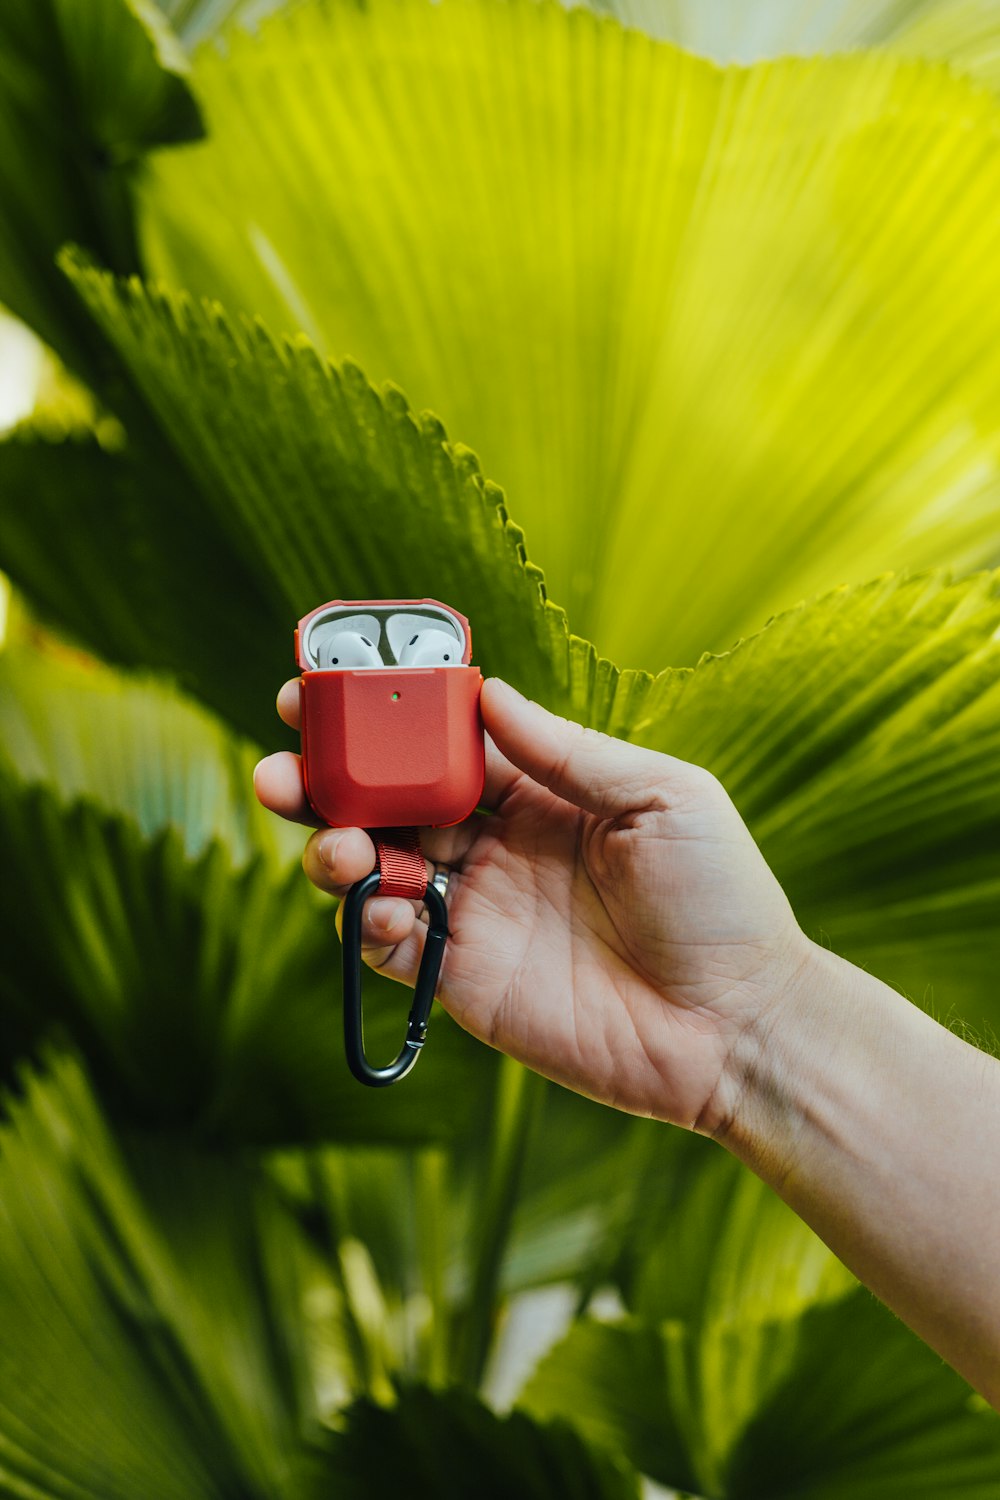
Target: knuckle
701, 782
676, 786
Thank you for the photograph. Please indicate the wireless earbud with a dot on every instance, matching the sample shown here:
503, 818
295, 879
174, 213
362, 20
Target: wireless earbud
422, 641
346, 641
431, 648
349, 648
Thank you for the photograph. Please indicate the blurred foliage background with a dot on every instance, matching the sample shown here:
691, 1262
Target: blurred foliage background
711, 291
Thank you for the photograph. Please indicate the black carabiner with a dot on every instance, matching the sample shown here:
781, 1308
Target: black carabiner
423, 994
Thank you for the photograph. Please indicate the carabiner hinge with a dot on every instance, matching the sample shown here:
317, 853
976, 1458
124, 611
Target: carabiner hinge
423, 993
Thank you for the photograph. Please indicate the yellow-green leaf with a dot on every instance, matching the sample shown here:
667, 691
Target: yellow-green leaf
726, 337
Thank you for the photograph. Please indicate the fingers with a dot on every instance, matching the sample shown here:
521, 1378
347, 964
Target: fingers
335, 858
387, 922
289, 709
501, 776
277, 781
392, 928
391, 942
594, 771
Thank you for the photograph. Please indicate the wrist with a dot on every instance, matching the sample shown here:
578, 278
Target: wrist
793, 1030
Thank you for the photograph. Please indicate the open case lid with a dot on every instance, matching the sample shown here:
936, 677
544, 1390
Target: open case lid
387, 622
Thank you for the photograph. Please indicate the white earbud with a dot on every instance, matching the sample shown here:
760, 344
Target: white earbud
349, 648
431, 648
345, 641
423, 641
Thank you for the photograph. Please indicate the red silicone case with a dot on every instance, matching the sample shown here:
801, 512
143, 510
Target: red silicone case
390, 746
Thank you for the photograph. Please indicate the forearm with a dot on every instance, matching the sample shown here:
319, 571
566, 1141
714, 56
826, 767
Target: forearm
882, 1130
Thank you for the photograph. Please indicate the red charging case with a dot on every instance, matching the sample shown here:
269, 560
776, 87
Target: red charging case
389, 747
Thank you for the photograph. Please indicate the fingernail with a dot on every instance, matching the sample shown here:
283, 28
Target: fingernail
510, 688
385, 914
328, 846
257, 768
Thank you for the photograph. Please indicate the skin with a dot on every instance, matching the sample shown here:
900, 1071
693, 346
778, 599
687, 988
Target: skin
615, 927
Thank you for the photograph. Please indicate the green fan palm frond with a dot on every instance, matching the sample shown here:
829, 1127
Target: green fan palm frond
162, 918
311, 470
489, 1456
86, 86
156, 1342
826, 727
750, 1363
134, 747
729, 338
112, 545
859, 737
149, 1316
725, 334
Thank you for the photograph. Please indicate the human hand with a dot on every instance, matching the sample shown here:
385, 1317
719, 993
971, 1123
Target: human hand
613, 924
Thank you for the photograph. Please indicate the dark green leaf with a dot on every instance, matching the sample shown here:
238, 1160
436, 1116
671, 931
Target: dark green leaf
448, 1446
85, 87
856, 1407
158, 917
754, 1367
113, 547
149, 1317
869, 1412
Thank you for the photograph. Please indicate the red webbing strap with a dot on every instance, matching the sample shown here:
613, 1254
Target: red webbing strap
401, 864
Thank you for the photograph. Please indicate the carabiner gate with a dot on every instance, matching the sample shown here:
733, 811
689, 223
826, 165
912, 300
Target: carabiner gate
423, 994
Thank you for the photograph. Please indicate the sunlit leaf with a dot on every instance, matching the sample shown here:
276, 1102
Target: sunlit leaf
859, 736
829, 728
726, 338
331, 489
133, 746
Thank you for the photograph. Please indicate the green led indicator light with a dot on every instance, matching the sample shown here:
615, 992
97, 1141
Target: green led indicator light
394, 697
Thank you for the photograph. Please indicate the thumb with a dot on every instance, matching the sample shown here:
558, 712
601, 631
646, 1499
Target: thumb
595, 772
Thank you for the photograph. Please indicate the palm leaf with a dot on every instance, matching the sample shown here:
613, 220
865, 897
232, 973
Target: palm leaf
753, 1366
311, 470
726, 338
113, 547
159, 920
829, 727
862, 1408
149, 1316
448, 1446
135, 747
85, 87
858, 736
